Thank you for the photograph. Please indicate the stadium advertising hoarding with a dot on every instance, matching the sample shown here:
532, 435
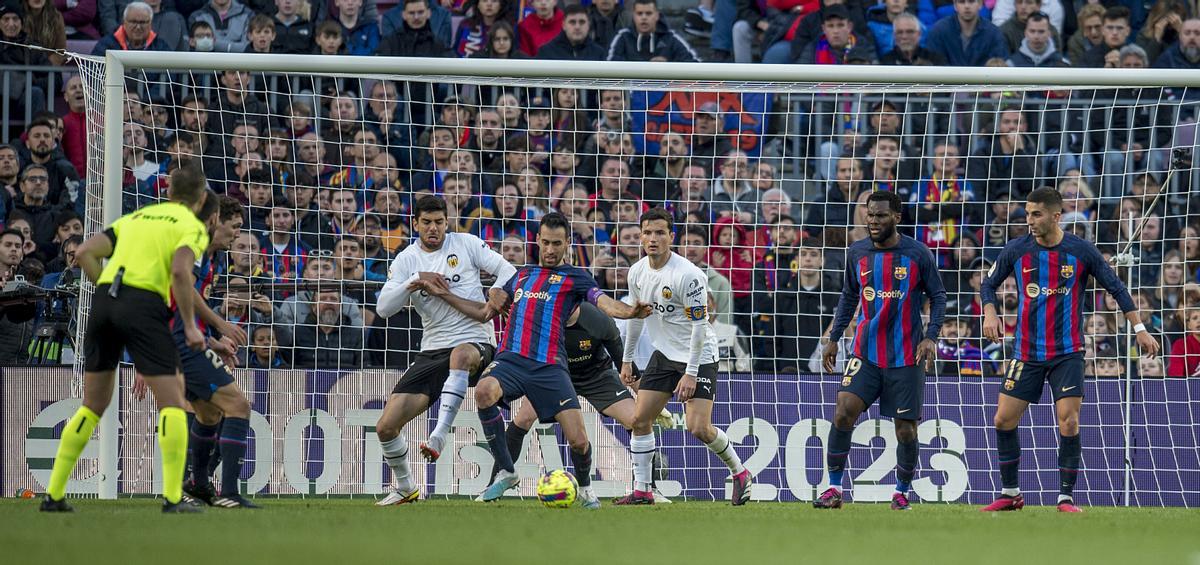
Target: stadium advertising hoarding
312, 434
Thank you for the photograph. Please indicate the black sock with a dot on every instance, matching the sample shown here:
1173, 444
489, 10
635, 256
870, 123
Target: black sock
1069, 454
514, 436
493, 432
582, 462
906, 465
1009, 445
234, 434
187, 468
835, 456
200, 448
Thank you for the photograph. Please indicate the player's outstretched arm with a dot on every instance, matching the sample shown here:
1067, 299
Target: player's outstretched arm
184, 291
478, 311
621, 310
92, 252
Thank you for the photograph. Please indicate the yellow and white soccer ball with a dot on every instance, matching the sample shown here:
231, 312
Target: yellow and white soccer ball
557, 489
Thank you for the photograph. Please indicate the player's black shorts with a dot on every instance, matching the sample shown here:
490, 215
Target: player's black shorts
203, 371
546, 385
1024, 379
663, 375
899, 390
138, 321
602, 388
430, 369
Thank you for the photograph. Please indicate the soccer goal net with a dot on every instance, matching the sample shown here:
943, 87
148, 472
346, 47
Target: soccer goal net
766, 171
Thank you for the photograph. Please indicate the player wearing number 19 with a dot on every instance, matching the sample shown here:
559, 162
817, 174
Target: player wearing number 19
150, 256
888, 276
1052, 270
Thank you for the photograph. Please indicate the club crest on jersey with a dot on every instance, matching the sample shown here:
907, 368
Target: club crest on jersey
900, 273
585, 344
697, 313
666, 293
555, 279
452, 260
1067, 271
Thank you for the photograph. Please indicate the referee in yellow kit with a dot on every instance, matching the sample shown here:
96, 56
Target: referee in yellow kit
150, 256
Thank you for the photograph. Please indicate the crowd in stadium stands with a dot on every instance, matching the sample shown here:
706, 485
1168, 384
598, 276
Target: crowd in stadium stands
328, 179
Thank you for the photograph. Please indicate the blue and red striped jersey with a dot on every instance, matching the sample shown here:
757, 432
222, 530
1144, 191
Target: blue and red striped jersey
890, 287
1052, 283
203, 272
542, 300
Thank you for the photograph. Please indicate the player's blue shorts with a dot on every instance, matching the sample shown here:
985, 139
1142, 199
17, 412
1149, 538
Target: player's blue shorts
203, 371
1024, 379
899, 390
546, 385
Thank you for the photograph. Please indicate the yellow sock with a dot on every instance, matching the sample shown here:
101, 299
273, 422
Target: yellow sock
75, 437
172, 442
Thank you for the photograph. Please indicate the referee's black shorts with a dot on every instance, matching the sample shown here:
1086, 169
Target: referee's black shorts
137, 321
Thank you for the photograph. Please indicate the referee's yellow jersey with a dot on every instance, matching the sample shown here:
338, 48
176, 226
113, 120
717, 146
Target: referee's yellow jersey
146, 240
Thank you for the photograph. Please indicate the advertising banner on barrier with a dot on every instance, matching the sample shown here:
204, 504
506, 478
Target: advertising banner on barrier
313, 434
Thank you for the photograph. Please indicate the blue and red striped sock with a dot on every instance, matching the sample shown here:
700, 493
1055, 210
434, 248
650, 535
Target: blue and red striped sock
234, 434
493, 431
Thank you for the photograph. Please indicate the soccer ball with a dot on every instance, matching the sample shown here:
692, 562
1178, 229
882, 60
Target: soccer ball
557, 489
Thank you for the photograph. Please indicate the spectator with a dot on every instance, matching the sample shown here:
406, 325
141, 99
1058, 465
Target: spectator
329, 39
708, 142
906, 34
1039, 47
1184, 360
789, 33
1005, 10
649, 39
134, 152
1090, 33
360, 31
327, 338
958, 352
264, 350
262, 34
414, 37
793, 299
58, 269
605, 19
881, 19
944, 203
694, 246
1008, 159
11, 14
1163, 27
79, 17
837, 43
45, 27
41, 148
440, 21
574, 43
732, 195
134, 34
736, 26
471, 35
1115, 35
293, 32
1013, 28
168, 25
110, 14
732, 255
229, 20
835, 207
16, 324
1184, 54
538, 28
35, 206
10, 172
966, 39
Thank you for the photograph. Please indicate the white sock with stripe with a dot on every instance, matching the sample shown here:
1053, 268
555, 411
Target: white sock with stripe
395, 453
721, 446
642, 448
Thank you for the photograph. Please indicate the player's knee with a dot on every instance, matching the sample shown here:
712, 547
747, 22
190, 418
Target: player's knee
906, 432
235, 405
843, 419
486, 393
1068, 424
462, 357
578, 442
206, 416
96, 405
1003, 422
386, 430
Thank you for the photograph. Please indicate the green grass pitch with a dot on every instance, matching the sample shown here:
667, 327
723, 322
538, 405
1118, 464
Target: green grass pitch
345, 532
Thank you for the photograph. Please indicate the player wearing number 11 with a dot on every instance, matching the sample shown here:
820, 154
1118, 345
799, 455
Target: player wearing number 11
889, 277
1051, 269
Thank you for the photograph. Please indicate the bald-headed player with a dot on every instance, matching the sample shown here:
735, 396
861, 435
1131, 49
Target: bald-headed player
150, 255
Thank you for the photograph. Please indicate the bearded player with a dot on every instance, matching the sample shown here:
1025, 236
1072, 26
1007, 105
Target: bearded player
1052, 269
888, 277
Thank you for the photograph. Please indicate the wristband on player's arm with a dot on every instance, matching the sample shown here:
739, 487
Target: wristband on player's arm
1139, 328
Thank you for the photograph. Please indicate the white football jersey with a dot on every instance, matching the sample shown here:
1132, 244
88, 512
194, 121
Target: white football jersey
679, 293
459, 261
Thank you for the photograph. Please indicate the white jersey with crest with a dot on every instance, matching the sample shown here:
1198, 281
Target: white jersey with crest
679, 293
459, 261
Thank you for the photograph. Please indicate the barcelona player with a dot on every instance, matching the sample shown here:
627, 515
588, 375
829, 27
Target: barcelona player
1051, 269
889, 277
